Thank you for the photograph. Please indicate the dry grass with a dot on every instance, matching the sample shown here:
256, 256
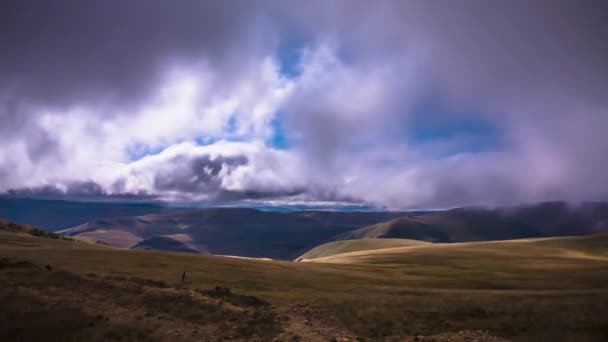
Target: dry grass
525, 290
57, 305
347, 246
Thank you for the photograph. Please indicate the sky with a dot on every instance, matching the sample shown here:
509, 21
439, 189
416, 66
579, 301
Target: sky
394, 104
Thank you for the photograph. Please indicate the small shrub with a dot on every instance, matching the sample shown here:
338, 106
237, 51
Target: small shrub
37, 232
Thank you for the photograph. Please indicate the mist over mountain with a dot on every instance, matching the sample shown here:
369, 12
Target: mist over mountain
504, 223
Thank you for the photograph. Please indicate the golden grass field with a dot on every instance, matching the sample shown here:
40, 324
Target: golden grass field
346, 246
526, 290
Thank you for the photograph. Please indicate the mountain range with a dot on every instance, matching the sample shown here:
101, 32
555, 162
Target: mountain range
286, 235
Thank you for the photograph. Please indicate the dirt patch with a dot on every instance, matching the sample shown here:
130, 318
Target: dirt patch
305, 322
226, 294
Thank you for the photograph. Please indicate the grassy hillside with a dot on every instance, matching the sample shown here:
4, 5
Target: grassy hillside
339, 247
485, 224
549, 289
499, 254
13, 227
400, 228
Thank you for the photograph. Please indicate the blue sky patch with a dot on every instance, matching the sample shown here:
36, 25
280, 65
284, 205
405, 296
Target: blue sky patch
279, 138
433, 121
138, 151
289, 55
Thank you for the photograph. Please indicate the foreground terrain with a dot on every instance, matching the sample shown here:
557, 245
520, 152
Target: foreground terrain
525, 290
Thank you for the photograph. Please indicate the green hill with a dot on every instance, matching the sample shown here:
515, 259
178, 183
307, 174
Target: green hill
13, 227
338, 247
501, 255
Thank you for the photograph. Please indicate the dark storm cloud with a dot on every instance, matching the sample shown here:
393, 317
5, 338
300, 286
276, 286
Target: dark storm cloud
204, 175
69, 51
198, 175
87, 190
71, 189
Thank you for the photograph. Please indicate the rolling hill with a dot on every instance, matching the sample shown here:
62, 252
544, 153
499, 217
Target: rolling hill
476, 254
553, 289
286, 235
482, 224
228, 231
346, 246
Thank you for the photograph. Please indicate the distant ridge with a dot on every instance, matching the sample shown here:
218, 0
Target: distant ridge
481, 224
229, 231
58, 214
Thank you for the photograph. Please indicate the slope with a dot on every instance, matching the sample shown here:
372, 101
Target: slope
231, 231
476, 255
483, 224
525, 290
166, 244
345, 246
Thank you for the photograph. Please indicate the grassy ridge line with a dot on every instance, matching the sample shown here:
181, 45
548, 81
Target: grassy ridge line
27, 229
594, 247
20, 228
345, 246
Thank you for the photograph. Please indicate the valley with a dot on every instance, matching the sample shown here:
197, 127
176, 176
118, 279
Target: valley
249, 232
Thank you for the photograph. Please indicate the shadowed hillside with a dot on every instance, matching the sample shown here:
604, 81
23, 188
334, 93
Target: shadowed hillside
229, 231
165, 244
480, 224
287, 235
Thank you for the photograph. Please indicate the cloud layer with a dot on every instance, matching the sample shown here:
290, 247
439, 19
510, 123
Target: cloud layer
398, 104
